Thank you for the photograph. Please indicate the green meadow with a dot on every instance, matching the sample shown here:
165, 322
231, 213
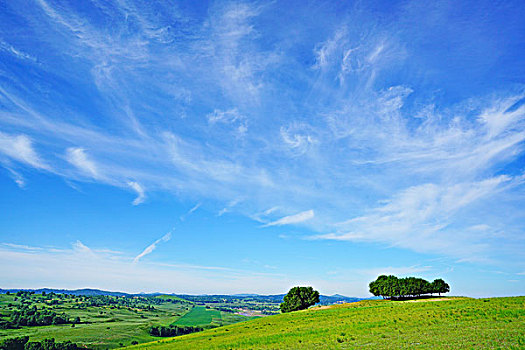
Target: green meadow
199, 316
114, 322
454, 323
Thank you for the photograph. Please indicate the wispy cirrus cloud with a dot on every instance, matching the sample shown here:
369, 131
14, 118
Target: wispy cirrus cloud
428, 210
149, 249
79, 158
20, 148
17, 177
292, 219
141, 194
325, 123
17, 53
189, 212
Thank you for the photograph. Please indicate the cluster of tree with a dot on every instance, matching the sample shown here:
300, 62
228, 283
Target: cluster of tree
121, 302
173, 331
225, 309
299, 298
23, 343
31, 316
393, 287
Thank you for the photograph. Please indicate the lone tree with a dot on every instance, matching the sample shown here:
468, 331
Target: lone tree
299, 298
439, 286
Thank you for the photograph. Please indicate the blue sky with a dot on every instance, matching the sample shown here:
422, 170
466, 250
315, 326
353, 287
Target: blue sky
233, 147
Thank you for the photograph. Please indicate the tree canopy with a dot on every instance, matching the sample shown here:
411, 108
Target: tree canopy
393, 287
299, 298
23, 343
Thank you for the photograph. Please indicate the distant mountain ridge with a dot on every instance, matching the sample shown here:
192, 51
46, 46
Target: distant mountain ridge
277, 298
84, 291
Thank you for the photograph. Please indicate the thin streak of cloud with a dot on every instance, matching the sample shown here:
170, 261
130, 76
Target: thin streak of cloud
21, 246
149, 249
16, 52
292, 219
191, 211
197, 206
17, 178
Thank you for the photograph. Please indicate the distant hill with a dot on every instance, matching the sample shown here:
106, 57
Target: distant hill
277, 298
336, 298
85, 291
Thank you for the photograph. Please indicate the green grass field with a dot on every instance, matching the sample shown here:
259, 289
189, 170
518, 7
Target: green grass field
454, 323
199, 316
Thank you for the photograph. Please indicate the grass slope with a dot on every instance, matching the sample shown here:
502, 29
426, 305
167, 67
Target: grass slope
451, 323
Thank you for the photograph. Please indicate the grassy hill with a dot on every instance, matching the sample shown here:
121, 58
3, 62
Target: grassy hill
431, 323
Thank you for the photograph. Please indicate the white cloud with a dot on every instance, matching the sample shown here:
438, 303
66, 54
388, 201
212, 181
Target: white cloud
79, 158
141, 194
20, 246
230, 205
297, 137
325, 51
189, 212
229, 117
197, 206
418, 218
292, 219
81, 248
149, 249
239, 65
17, 178
16, 52
20, 148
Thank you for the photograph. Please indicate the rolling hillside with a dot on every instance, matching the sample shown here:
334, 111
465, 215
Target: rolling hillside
431, 323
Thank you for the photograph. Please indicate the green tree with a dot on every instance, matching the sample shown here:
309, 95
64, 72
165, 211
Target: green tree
439, 286
299, 298
379, 287
393, 287
17, 343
